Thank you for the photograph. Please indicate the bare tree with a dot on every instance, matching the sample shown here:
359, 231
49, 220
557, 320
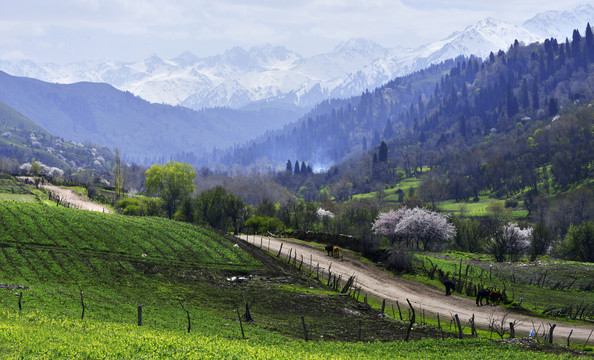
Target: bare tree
501, 326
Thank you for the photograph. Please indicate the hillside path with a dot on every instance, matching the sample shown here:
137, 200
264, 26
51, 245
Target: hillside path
70, 196
383, 285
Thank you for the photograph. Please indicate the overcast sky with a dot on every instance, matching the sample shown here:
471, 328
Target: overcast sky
63, 31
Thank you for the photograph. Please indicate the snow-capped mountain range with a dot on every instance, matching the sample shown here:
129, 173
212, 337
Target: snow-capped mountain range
265, 75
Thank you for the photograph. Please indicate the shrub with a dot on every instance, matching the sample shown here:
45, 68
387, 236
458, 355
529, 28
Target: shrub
264, 224
511, 203
400, 260
130, 206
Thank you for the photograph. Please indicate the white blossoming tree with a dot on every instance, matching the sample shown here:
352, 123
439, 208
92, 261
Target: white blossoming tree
324, 216
385, 224
429, 228
510, 241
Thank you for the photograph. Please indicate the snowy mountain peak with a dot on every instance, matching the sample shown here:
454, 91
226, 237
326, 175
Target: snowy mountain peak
483, 37
268, 73
488, 22
560, 24
186, 59
359, 45
269, 56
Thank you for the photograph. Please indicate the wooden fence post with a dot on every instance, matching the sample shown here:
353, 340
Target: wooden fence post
399, 312
240, 324
439, 326
304, 328
571, 332
412, 321
383, 307
82, 316
20, 299
512, 331
552, 327
279, 250
459, 326
318, 271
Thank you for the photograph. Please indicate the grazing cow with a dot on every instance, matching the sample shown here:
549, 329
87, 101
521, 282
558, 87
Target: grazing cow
482, 294
449, 285
329, 249
495, 297
336, 251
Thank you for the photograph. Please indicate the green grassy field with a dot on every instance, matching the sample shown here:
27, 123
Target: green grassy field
60, 259
471, 208
477, 209
549, 286
42, 337
390, 194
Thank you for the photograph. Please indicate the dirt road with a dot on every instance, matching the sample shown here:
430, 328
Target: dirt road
68, 196
78, 201
379, 283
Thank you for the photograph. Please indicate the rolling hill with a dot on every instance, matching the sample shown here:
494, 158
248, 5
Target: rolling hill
144, 132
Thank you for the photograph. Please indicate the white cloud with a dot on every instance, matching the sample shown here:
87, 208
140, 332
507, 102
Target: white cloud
13, 55
132, 29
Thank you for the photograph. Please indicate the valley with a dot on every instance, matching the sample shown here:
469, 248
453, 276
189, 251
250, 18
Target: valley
355, 199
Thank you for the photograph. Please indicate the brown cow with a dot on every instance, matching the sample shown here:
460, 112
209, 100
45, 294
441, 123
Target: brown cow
495, 297
336, 251
329, 249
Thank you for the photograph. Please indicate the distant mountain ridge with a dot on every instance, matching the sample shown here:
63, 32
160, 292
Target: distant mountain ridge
274, 76
144, 133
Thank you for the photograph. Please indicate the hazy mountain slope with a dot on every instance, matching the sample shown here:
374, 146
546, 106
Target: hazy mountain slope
12, 119
99, 113
23, 141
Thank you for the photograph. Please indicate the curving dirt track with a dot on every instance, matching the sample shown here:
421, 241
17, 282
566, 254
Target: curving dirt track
379, 283
80, 202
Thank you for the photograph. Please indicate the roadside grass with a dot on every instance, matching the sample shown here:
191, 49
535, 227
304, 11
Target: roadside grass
37, 335
536, 284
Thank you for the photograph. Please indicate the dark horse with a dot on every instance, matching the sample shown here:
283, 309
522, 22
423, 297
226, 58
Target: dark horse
449, 285
482, 294
329, 249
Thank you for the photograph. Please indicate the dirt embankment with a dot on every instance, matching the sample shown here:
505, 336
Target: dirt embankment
381, 284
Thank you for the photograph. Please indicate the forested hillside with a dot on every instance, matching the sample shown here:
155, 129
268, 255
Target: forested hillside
23, 141
457, 102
